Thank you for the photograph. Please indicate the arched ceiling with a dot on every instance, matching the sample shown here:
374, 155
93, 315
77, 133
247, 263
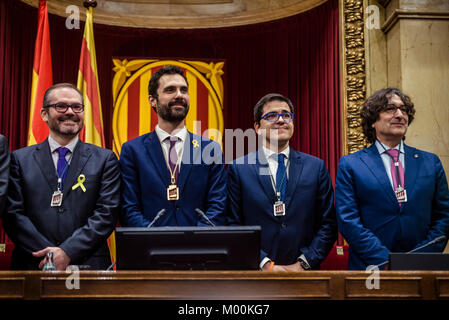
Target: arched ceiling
172, 14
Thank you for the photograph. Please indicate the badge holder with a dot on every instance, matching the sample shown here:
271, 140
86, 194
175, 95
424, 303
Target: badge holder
279, 207
401, 194
56, 198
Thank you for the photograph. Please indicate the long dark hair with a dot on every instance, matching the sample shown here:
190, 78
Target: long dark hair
375, 104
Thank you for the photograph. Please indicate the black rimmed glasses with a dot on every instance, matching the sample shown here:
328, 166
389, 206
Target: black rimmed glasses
62, 107
392, 109
274, 116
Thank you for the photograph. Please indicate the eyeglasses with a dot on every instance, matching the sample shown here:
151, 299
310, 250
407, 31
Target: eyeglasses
62, 107
274, 116
392, 109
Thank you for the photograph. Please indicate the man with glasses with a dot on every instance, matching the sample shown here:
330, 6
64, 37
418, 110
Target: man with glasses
288, 193
64, 194
390, 197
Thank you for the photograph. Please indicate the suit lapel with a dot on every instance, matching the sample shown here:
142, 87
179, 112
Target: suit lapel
262, 171
81, 155
412, 163
42, 155
373, 161
295, 171
191, 155
154, 149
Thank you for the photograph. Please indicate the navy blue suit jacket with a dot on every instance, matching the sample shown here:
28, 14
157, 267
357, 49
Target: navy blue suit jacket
145, 176
81, 225
309, 226
369, 216
4, 172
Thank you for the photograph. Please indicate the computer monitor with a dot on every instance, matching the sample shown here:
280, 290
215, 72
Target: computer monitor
188, 248
419, 261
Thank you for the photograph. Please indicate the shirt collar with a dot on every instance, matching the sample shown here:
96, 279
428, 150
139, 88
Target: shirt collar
269, 153
381, 148
162, 135
54, 145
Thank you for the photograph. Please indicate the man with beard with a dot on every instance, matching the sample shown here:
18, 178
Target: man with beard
170, 173
64, 194
287, 192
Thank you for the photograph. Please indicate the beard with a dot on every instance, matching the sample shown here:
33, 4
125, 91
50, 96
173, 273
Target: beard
166, 112
56, 125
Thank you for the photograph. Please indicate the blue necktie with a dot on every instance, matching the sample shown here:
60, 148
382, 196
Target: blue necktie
281, 177
62, 164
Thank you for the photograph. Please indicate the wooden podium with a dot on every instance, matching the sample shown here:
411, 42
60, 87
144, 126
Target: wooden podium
223, 285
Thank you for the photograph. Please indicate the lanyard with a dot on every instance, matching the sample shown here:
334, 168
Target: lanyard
396, 163
278, 193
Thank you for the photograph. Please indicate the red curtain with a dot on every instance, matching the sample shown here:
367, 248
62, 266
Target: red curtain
296, 56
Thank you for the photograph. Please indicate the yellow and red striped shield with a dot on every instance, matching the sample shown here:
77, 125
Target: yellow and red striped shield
133, 115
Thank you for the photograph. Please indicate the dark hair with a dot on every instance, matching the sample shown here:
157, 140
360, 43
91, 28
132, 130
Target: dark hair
258, 109
154, 81
46, 99
375, 104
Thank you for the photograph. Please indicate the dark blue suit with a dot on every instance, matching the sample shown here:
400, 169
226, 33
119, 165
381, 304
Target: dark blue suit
145, 176
309, 226
369, 216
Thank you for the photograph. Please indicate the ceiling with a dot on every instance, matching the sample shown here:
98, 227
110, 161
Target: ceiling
170, 14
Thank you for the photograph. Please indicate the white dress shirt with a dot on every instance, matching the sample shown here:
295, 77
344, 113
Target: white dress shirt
165, 143
55, 154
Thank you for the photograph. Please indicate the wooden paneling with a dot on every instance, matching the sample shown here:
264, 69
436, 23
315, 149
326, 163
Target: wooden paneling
224, 285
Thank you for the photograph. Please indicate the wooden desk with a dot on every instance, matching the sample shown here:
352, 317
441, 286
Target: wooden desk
224, 285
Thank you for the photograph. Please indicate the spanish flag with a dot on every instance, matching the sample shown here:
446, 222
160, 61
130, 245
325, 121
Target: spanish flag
42, 77
92, 131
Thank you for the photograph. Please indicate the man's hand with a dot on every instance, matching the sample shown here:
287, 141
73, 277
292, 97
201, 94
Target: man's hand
293, 267
60, 258
285, 268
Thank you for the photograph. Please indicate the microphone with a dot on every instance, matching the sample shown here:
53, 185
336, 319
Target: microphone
157, 217
436, 240
202, 215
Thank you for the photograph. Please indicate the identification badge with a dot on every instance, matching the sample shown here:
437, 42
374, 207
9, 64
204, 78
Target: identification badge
279, 209
401, 194
172, 192
56, 199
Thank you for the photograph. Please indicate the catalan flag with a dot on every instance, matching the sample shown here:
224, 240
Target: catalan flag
88, 85
42, 77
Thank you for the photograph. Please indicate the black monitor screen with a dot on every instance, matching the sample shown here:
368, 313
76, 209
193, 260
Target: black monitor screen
188, 248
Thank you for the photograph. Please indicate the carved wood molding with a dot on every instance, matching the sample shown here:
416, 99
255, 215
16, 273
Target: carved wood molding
353, 73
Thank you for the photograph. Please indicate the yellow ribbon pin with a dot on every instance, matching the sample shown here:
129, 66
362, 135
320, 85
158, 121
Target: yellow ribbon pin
81, 179
195, 144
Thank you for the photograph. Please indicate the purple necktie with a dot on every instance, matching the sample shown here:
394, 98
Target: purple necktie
62, 164
173, 157
395, 155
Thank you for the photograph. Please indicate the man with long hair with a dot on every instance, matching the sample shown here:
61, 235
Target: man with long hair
390, 197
